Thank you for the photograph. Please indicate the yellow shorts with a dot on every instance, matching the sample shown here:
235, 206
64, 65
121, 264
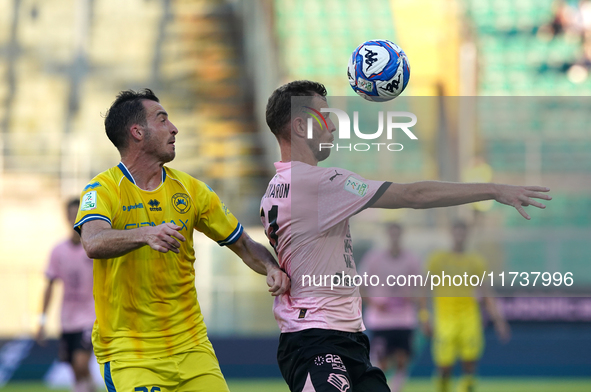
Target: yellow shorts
196, 370
461, 338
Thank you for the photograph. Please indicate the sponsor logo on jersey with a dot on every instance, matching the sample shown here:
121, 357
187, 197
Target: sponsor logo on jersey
181, 203
153, 203
336, 362
355, 186
339, 381
335, 175
133, 207
319, 360
88, 201
92, 186
183, 223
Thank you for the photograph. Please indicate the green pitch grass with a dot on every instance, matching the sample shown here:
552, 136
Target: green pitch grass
416, 385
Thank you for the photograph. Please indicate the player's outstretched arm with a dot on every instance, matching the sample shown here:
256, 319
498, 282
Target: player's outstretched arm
258, 258
100, 241
431, 194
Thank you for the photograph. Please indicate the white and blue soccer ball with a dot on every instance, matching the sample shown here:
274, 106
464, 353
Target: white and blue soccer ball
378, 70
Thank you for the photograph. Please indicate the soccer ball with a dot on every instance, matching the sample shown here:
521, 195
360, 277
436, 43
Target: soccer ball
378, 70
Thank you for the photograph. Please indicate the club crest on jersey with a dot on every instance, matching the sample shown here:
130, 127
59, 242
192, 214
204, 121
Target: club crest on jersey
154, 205
181, 203
88, 201
355, 186
95, 184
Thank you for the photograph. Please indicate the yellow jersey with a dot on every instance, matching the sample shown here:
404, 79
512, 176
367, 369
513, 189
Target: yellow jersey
451, 301
145, 301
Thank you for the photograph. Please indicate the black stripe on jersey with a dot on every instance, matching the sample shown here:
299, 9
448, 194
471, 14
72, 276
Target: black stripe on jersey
381, 190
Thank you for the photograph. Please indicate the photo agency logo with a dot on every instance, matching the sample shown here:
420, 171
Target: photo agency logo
394, 121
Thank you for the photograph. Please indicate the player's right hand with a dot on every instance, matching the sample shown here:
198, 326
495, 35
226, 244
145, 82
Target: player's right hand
503, 330
40, 337
426, 329
278, 281
164, 237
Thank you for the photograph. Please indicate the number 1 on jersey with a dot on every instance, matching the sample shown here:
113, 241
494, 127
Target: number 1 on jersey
273, 226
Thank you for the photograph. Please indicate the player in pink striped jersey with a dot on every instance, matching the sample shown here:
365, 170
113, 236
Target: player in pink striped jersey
305, 212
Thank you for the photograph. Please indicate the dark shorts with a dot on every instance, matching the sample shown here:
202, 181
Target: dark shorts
385, 342
73, 341
321, 360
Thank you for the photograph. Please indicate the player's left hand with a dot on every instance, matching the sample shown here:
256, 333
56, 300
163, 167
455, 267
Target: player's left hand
521, 196
278, 281
503, 330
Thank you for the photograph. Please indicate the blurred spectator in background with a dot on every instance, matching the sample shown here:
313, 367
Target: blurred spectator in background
457, 322
68, 262
390, 311
566, 20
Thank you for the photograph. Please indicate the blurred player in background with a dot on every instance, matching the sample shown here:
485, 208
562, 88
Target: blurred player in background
305, 211
137, 220
68, 262
390, 310
457, 322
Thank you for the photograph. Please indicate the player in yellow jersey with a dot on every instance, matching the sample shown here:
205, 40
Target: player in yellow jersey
457, 324
136, 221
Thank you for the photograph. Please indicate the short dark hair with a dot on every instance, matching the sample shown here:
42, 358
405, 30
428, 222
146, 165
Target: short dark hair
127, 110
279, 105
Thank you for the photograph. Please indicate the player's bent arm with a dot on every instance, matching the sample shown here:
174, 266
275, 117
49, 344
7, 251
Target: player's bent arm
100, 241
260, 260
431, 194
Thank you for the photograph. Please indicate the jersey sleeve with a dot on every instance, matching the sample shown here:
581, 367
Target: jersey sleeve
215, 219
342, 193
52, 270
96, 203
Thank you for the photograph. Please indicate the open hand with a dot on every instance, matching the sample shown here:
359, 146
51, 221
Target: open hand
522, 196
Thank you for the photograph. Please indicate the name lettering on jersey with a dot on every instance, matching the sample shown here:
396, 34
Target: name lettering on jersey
92, 186
133, 207
348, 250
153, 203
182, 223
89, 201
277, 191
180, 202
355, 186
